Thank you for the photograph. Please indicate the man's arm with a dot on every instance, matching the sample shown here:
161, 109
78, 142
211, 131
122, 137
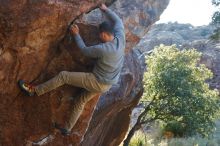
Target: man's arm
91, 51
118, 24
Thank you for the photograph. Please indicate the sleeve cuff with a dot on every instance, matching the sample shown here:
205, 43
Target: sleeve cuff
77, 37
107, 10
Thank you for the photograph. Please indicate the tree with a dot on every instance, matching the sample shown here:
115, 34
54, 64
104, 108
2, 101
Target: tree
216, 21
176, 90
216, 15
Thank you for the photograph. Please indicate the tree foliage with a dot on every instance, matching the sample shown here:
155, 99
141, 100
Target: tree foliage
216, 21
216, 2
175, 86
216, 18
216, 15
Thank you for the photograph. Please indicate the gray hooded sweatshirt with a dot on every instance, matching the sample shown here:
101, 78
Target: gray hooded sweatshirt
110, 55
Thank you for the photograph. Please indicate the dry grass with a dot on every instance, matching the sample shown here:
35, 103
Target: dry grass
152, 139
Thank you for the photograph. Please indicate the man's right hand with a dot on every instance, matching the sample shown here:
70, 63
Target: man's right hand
74, 29
103, 7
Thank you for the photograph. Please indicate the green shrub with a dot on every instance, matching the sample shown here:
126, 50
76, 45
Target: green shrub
175, 127
139, 139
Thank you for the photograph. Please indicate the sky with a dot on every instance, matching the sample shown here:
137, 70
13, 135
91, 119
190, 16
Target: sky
195, 12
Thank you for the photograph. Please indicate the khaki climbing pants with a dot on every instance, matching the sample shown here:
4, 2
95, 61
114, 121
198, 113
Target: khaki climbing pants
78, 79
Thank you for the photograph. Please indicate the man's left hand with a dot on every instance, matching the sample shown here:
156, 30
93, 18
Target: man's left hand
75, 29
103, 7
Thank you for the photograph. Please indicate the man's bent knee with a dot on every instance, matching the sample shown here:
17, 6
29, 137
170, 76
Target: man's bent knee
105, 88
63, 75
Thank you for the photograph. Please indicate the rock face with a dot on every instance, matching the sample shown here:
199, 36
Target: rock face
35, 45
174, 33
187, 36
210, 57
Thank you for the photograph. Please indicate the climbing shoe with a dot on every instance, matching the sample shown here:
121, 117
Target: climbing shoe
63, 131
27, 88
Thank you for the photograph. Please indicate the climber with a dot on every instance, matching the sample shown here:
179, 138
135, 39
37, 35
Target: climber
106, 72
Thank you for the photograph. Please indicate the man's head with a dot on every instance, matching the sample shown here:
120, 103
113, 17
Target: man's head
106, 33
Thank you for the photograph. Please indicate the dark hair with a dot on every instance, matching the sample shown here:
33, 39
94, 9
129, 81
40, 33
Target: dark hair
106, 27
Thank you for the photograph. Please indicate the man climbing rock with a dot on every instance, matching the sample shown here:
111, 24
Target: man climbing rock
110, 56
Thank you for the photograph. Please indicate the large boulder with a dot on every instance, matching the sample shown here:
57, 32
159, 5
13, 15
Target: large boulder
35, 45
174, 33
